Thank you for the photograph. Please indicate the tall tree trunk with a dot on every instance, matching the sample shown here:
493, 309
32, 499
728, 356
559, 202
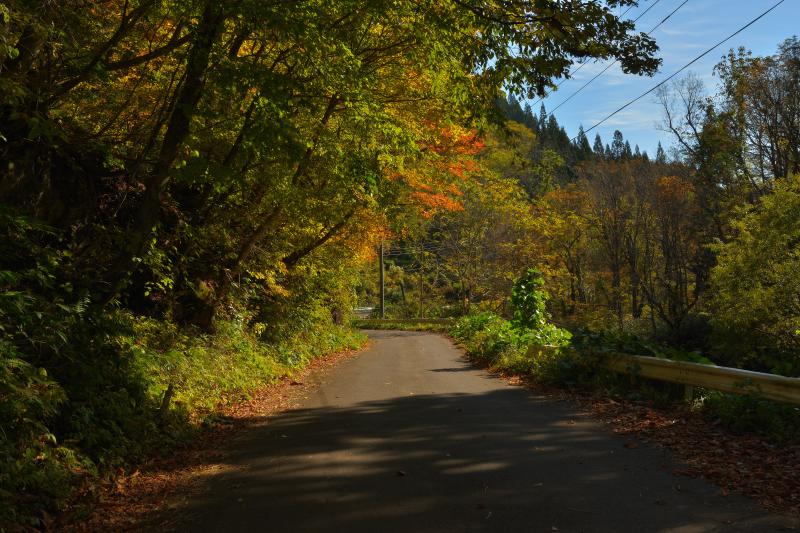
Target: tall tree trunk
616, 289
186, 100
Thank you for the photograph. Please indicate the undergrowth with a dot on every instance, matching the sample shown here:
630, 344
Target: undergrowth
67, 428
88, 387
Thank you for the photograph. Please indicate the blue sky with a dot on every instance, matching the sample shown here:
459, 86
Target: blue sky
693, 29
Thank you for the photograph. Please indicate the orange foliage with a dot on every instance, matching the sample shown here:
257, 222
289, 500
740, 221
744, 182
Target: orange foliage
429, 204
674, 189
448, 161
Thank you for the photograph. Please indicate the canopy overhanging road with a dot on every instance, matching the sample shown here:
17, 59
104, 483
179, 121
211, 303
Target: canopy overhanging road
409, 437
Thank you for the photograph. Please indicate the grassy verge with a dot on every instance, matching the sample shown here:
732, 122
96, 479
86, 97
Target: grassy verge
211, 369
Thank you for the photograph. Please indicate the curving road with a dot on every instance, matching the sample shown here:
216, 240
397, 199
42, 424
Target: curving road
409, 437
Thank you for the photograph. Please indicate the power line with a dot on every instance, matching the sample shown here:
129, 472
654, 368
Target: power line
687, 65
571, 74
654, 28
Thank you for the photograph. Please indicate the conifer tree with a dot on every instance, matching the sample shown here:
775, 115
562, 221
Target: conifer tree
530, 119
618, 146
661, 157
598, 146
584, 149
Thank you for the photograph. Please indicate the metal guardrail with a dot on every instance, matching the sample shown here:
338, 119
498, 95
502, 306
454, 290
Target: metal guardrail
722, 378
735, 380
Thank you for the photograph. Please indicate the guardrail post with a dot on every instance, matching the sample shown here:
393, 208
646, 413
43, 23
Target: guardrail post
688, 393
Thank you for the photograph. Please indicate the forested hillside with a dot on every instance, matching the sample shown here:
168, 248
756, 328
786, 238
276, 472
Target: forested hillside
693, 255
190, 190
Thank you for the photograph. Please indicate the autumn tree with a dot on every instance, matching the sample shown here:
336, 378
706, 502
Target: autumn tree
757, 285
759, 94
610, 211
563, 228
484, 243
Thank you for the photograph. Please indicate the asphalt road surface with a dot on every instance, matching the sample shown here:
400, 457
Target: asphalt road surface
409, 437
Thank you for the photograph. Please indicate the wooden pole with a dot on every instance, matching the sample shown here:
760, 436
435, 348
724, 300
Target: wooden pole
421, 289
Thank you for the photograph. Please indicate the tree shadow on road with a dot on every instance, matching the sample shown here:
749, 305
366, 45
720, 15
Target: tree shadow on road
503, 460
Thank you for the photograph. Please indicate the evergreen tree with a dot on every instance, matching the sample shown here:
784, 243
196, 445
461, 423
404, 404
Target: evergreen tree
598, 146
515, 112
618, 146
552, 126
627, 154
542, 115
661, 157
530, 119
645, 157
584, 149
608, 154
636, 153
528, 110
502, 105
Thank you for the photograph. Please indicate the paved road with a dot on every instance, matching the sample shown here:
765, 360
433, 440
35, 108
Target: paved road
408, 437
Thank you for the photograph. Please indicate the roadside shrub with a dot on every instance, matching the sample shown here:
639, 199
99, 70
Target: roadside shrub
486, 335
529, 301
750, 414
205, 370
606, 341
528, 344
468, 325
34, 470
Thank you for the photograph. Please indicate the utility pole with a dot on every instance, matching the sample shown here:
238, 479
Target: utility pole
383, 287
421, 289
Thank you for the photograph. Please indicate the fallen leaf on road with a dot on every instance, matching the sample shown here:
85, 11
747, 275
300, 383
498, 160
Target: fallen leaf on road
746, 463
